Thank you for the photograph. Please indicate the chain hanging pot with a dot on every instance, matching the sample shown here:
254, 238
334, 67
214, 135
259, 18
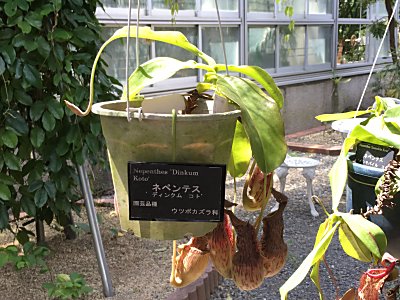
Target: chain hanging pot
200, 138
203, 136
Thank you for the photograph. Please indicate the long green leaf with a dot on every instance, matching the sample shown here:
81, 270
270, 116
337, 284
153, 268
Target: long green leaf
314, 275
156, 70
175, 38
338, 173
392, 116
261, 120
259, 75
377, 132
241, 152
342, 116
352, 245
383, 104
314, 256
370, 234
171, 37
323, 229
202, 87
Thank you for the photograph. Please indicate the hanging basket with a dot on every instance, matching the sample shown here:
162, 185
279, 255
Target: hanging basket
200, 138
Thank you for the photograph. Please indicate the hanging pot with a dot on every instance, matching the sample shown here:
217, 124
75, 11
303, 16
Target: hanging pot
201, 137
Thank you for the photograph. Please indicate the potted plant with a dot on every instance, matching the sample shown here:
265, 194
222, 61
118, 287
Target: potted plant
199, 137
380, 135
359, 237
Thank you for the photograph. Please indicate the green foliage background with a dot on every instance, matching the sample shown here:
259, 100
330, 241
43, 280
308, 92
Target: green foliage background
46, 51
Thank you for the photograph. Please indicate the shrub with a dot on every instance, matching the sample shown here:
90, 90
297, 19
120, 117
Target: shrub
46, 49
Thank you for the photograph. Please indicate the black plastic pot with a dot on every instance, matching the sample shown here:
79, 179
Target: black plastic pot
360, 194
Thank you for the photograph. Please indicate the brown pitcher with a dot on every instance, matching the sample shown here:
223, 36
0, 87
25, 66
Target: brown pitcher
190, 263
247, 262
273, 247
253, 196
221, 244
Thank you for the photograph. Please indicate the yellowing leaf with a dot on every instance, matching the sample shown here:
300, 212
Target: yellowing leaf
156, 70
342, 116
312, 258
338, 173
323, 229
260, 76
368, 233
352, 245
241, 152
170, 37
262, 123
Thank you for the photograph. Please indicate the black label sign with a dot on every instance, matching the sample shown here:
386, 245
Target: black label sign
176, 192
374, 155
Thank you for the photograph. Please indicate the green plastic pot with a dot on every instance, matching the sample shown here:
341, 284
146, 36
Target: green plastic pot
200, 138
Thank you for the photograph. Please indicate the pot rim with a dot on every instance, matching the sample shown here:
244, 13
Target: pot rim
361, 169
102, 110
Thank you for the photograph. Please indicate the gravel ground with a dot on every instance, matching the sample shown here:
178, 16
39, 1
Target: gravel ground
140, 268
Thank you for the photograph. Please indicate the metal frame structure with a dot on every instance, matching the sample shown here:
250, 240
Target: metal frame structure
244, 20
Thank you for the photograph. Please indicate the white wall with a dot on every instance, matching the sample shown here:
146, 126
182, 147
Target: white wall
304, 101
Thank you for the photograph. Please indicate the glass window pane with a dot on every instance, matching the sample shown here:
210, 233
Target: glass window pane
319, 44
183, 5
123, 3
354, 9
115, 54
163, 49
231, 5
320, 7
298, 6
351, 43
381, 9
261, 5
262, 47
385, 51
292, 46
212, 44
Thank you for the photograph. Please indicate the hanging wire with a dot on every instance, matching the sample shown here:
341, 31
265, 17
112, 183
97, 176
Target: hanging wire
376, 56
128, 113
137, 35
222, 37
173, 133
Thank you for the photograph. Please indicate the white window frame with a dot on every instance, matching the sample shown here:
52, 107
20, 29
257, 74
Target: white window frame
244, 20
